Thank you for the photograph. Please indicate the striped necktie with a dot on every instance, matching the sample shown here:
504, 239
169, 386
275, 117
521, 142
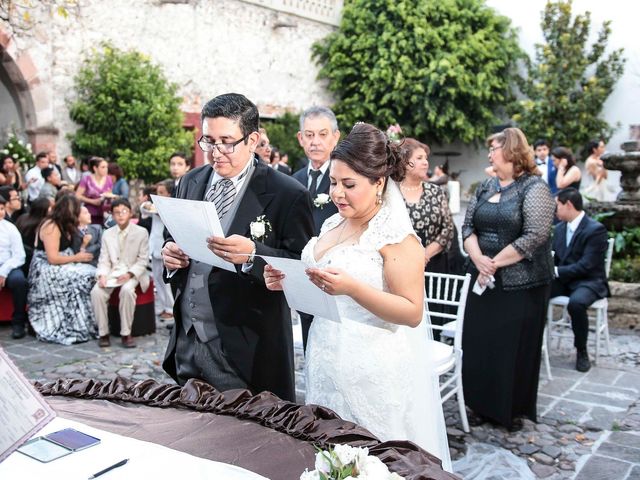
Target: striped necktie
222, 194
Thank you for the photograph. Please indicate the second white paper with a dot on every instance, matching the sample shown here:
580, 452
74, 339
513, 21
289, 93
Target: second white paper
300, 292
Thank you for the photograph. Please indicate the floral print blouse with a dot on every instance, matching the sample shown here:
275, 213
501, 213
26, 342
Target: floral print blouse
431, 217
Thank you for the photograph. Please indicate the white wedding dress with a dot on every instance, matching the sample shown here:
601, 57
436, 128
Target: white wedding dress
369, 371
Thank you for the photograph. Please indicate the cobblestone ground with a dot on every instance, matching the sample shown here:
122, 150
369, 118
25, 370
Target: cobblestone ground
589, 424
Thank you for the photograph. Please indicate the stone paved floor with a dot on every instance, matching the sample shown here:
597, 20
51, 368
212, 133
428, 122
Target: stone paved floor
589, 424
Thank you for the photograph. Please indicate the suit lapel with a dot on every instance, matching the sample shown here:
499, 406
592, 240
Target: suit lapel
324, 183
581, 226
198, 184
253, 203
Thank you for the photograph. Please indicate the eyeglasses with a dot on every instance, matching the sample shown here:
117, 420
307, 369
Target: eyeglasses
493, 149
207, 146
124, 211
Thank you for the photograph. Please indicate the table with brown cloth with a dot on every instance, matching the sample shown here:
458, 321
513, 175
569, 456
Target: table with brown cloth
261, 433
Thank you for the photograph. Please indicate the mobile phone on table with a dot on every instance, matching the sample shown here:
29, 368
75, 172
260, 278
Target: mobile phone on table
43, 450
72, 439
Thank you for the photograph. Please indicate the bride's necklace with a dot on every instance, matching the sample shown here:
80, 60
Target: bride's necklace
410, 189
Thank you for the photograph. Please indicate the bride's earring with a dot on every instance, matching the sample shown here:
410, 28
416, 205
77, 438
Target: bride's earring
379, 198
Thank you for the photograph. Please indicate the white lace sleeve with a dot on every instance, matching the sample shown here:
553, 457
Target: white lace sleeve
392, 223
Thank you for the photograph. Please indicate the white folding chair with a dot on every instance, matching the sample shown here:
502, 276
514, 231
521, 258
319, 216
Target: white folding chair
449, 290
600, 306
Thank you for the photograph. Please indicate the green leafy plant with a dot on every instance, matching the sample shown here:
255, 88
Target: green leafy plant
18, 150
568, 82
625, 266
441, 69
128, 112
282, 134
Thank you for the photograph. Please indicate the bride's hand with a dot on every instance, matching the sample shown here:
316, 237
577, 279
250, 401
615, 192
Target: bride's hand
333, 281
273, 278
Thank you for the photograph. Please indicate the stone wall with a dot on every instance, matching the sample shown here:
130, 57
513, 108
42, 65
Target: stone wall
624, 305
207, 47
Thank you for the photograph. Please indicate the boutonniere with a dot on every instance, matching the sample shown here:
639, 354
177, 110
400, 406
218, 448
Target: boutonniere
260, 228
321, 200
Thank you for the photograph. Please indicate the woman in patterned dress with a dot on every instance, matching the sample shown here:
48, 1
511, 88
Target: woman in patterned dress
60, 280
428, 207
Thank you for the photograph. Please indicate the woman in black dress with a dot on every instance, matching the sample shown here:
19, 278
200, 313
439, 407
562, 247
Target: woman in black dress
569, 174
507, 232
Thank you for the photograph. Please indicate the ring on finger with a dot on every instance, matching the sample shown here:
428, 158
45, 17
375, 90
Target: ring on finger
324, 287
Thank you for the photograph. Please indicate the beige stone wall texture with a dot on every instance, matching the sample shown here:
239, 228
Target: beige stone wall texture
624, 305
207, 47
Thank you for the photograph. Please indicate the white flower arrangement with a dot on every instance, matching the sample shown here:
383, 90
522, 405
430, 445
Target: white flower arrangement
348, 463
321, 200
260, 228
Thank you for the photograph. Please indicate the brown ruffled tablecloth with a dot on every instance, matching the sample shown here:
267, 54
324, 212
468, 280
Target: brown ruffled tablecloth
261, 433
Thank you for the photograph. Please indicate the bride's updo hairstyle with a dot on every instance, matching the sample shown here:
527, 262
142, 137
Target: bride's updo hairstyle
368, 151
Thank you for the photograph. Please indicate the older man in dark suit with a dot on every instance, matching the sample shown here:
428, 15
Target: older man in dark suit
230, 330
318, 136
580, 245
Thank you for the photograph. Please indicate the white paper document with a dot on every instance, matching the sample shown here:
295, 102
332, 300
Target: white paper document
190, 223
23, 411
300, 292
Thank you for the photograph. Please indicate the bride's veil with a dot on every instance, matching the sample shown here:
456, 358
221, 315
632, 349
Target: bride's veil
427, 408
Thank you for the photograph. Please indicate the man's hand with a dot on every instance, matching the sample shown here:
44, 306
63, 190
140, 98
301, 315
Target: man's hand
235, 249
173, 257
102, 281
3, 281
124, 278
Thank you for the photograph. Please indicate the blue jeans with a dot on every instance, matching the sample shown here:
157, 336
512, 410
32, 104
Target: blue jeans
17, 283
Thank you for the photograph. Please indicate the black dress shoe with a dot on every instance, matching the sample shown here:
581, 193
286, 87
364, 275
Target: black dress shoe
582, 361
18, 332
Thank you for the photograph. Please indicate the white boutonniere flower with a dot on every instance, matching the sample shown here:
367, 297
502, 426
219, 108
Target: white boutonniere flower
260, 228
321, 200
344, 462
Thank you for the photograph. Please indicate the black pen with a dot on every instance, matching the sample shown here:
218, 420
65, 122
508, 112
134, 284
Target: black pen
108, 469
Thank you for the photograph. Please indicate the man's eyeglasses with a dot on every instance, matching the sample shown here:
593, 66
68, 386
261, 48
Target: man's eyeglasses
207, 146
493, 149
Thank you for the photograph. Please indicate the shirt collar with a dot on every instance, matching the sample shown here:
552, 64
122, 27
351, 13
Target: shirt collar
126, 230
235, 179
323, 168
573, 224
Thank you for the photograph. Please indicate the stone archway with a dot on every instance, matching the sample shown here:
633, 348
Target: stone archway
32, 100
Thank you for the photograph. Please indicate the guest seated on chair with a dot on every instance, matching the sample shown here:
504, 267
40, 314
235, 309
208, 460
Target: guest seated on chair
60, 280
11, 276
580, 245
123, 263
88, 237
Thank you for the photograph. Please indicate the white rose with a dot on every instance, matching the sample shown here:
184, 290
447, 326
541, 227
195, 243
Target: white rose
29, 146
10, 145
257, 229
5, 151
323, 463
15, 155
373, 468
323, 198
20, 142
345, 453
307, 475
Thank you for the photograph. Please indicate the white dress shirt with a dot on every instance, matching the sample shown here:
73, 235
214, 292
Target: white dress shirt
11, 249
34, 188
323, 171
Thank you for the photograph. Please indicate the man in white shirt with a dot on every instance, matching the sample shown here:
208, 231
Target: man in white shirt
318, 136
34, 177
70, 172
580, 246
11, 275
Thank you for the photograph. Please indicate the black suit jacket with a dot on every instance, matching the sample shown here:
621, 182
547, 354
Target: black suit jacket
581, 263
320, 214
254, 323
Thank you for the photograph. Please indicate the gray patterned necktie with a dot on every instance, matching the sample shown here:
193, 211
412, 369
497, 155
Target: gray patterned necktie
222, 194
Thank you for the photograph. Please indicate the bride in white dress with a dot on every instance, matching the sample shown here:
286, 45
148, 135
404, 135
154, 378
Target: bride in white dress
372, 365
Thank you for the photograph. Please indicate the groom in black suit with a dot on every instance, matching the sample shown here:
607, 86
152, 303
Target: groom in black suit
230, 330
580, 245
318, 136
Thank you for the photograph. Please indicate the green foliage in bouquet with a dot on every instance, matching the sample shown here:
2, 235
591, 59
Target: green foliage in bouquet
18, 150
443, 70
568, 83
128, 112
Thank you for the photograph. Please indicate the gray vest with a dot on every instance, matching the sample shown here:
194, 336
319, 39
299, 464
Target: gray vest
195, 304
